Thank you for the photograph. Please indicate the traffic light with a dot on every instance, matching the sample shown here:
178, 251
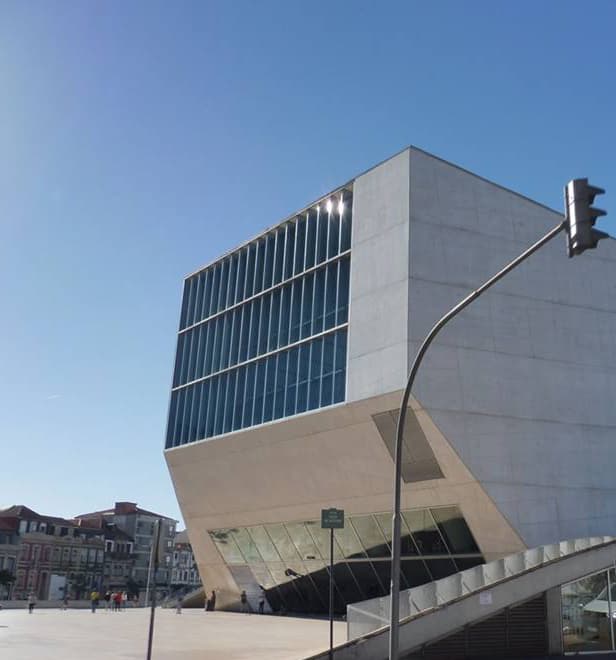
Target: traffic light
580, 216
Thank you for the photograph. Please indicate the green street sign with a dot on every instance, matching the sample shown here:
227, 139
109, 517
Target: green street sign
332, 518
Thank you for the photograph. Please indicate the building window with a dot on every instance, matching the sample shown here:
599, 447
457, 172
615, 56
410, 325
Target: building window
290, 559
588, 608
263, 332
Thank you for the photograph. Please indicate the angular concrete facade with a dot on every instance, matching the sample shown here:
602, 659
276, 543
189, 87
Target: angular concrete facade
512, 407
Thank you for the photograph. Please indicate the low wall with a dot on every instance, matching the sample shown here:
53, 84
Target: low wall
55, 604
43, 604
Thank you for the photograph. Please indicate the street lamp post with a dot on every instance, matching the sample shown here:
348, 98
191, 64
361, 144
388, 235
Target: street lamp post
394, 611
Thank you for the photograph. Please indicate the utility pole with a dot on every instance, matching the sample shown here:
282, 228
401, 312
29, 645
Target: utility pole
154, 558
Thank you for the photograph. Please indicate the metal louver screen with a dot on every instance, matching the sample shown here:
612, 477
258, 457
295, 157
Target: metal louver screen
517, 632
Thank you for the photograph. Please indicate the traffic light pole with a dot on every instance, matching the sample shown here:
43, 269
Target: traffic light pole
394, 619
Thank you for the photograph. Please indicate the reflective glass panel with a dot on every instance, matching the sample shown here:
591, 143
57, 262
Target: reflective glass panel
289, 250
311, 238
334, 232
246, 544
454, 529
415, 572
365, 575
264, 543
279, 255
425, 533
322, 540
241, 275
269, 261
250, 270
370, 535
440, 568
585, 609
300, 244
260, 266
282, 542
225, 543
350, 546
303, 541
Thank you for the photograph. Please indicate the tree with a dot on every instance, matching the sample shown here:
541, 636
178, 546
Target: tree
132, 588
6, 579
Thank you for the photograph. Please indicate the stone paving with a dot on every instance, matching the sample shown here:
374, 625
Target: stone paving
50, 634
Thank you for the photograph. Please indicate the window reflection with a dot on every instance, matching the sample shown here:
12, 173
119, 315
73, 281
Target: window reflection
291, 560
454, 530
303, 541
585, 614
370, 535
425, 532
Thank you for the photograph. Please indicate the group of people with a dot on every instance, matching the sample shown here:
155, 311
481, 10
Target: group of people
114, 600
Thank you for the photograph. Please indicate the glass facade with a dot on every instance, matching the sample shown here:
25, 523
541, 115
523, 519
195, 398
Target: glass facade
588, 609
291, 560
263, 331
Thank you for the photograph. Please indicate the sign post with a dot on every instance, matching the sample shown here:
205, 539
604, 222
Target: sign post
154, 552
331, 519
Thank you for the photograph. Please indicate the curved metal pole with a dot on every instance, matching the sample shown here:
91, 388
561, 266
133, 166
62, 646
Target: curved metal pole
394, 608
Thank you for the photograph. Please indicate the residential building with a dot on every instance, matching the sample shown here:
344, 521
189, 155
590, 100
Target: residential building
294, 349
184, 571
138, 525
9, 547
54, 555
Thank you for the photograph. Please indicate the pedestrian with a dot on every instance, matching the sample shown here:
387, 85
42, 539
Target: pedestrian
124, 599
244, 607
178, 605
262, 601
31, 602
65, 602
107, 598
94, 598
211, 603
117, 600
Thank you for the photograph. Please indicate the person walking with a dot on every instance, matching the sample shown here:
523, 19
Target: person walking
210, 606
31, 602
94, 598
178, 605
262, 600
124, 599
65, 603
107, 598
244, 607
117, 601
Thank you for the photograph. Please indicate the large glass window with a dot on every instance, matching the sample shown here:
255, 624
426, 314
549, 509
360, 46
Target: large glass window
285, 288
587, 607
290, 560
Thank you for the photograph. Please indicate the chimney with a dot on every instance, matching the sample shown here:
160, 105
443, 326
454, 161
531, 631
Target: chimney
122, 508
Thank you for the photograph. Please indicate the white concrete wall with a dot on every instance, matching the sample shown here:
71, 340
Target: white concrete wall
379, 280
522, 383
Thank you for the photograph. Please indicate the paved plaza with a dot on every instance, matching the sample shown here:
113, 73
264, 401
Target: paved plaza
51, 634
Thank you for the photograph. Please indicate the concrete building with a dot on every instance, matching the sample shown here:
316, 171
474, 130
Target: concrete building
293, 351
137, 525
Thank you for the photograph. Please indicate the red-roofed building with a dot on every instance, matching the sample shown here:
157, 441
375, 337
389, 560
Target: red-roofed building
138, 524
51, 555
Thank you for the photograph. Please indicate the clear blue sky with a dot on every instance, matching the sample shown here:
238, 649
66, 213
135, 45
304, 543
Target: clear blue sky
139, 140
